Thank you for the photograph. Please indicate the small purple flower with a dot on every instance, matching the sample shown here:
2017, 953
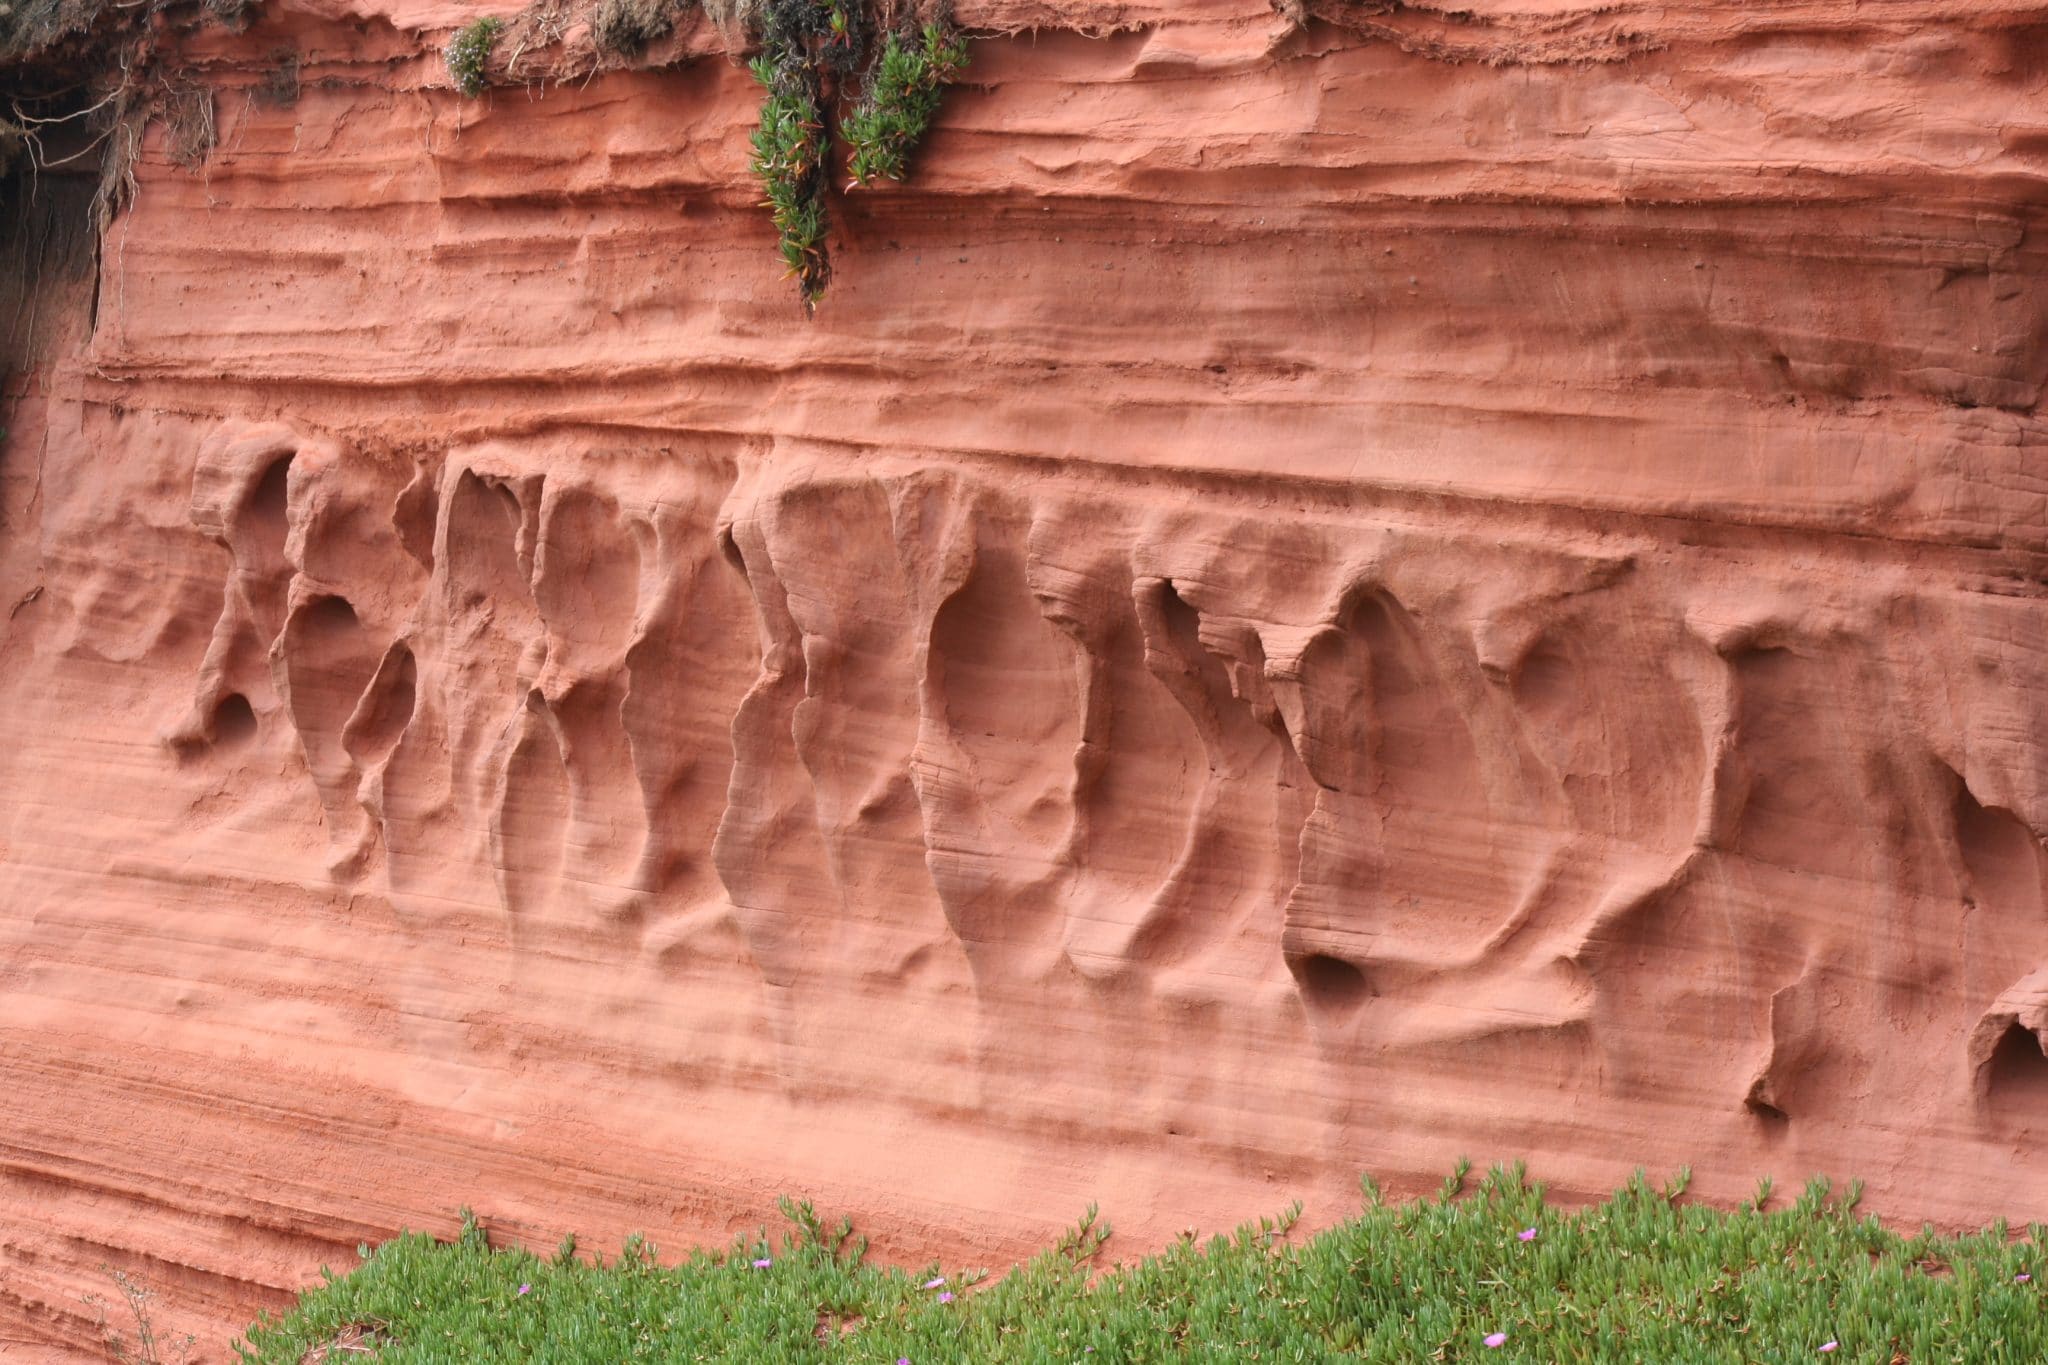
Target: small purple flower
902, 1360
1526, 1235
1495, 1339
1827, 1346
946, 1297
2022, 1278
763, 1263
526, 1289
939, 1283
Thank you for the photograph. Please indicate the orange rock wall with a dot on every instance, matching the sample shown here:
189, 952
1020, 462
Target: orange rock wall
1328, 589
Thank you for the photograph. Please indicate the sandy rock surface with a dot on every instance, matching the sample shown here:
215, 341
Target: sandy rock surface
1329, 588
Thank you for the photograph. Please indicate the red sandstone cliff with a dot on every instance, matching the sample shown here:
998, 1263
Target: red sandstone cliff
1328, 589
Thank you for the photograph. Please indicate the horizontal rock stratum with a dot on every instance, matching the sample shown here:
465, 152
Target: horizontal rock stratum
1327, 589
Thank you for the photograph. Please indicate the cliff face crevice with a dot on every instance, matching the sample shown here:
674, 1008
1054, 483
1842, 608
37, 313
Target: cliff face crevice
1329, 588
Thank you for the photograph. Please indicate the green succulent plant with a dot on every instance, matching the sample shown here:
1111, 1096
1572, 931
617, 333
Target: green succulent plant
812, 52
902, 95
1483, 1271
789, 158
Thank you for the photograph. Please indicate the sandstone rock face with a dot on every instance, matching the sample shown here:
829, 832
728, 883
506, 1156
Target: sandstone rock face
1330, 588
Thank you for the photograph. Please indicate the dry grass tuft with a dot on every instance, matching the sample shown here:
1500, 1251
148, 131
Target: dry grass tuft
734, 20
353, 1342
626, 27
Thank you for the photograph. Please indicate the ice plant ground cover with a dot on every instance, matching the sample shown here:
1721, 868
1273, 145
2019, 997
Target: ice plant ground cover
1490, 1274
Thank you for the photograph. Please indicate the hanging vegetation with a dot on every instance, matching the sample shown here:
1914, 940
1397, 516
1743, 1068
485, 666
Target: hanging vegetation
470, 53
812, 52
902, 95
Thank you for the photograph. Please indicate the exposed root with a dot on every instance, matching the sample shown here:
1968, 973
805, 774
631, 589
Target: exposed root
189, 124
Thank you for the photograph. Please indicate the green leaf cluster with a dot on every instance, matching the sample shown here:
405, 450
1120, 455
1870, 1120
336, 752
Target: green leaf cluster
811, 51
1640, 1277
902, 95
468, 53
789, 159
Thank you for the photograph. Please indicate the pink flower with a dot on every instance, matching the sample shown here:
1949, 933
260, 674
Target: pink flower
526, 1289
2022, 1278
946, 1297
1827, 1346
763, 1263
1494, 1339
1527, 1235
939, 1283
